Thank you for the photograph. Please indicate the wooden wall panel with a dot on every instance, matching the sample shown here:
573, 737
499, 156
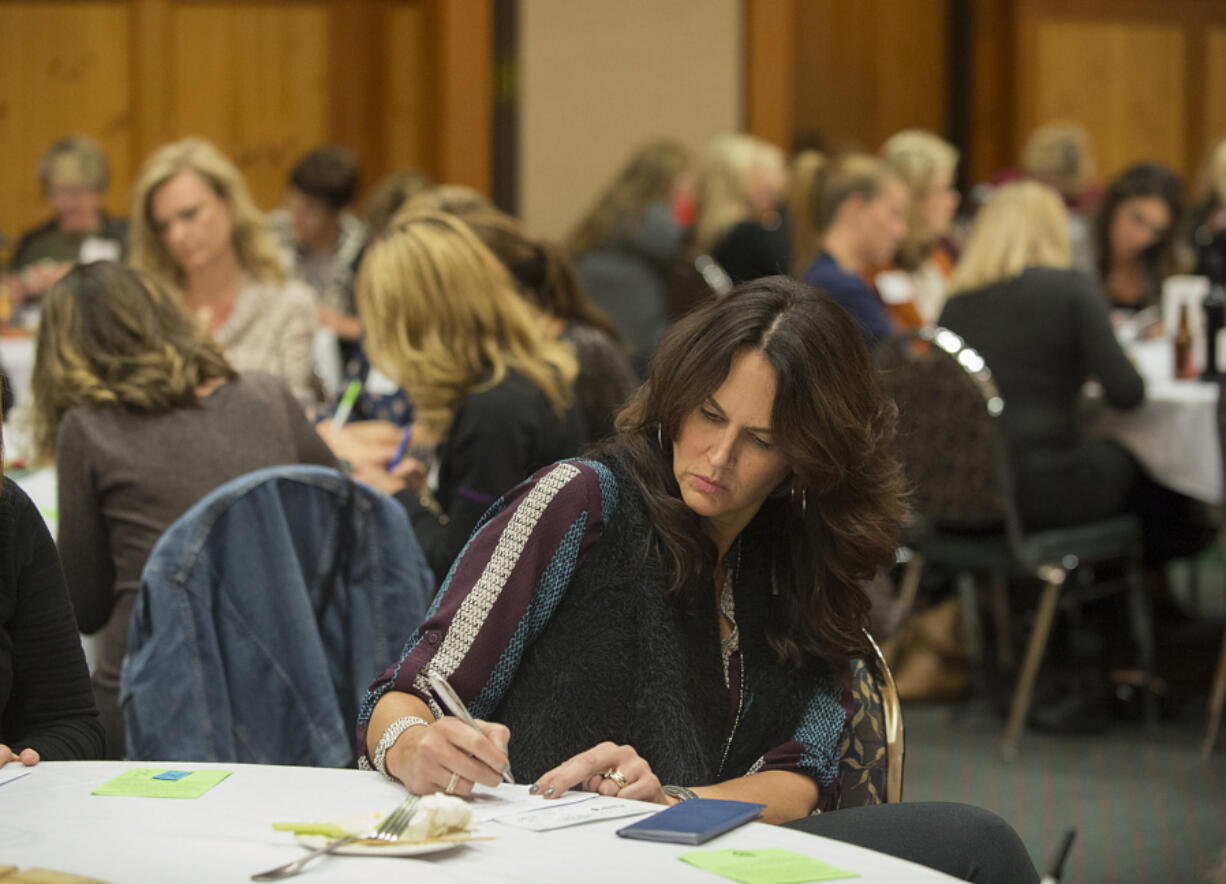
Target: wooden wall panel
1215, 88
994, 89
410, 105
597, 80
401, 82
253, 78
1092, 72
770, 70
63, 70
866, 68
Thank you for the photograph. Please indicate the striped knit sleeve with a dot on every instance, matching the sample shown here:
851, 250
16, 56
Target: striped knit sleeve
813, 747
503, 588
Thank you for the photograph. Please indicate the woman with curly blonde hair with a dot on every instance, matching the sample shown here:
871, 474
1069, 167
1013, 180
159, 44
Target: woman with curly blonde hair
143, 415
196, 229
488, 382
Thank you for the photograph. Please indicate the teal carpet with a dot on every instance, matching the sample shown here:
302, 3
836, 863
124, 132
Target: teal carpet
1146, 808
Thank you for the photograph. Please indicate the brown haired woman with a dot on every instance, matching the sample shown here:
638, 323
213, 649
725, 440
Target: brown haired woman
1136, 235
682, 608
143, 416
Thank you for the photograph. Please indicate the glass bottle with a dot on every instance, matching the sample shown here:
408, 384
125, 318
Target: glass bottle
1185, 367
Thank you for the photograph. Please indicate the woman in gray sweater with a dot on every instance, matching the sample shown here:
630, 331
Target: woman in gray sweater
143, 416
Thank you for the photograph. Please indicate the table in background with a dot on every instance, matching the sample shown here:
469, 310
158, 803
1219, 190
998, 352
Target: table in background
52, 820
1174, 432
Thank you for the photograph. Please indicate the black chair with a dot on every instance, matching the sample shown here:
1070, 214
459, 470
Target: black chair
965, 516
1217, 692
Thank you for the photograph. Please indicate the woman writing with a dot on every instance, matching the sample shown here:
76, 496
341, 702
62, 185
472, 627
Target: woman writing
143, 416
720, 536
487, 382
677, 615
196, 230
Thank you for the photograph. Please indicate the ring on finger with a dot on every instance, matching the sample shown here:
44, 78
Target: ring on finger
616, 776
451, 783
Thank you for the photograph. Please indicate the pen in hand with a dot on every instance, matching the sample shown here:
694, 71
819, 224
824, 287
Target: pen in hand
401, 449
345, 408
457, 708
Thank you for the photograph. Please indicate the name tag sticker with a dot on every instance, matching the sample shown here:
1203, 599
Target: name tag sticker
173, 775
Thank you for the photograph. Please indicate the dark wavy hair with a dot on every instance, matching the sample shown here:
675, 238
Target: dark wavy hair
832, 423
1143, 179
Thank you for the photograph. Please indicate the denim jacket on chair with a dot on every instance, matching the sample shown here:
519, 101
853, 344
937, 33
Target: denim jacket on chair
264, 613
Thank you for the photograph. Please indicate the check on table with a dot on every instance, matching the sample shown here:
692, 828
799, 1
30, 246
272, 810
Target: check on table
52, 820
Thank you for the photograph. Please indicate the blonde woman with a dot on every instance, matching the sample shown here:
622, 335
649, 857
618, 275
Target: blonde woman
443, 320
740, 186
143, 415
196, 229
857, 209
543, 275
1043, 330
925, 163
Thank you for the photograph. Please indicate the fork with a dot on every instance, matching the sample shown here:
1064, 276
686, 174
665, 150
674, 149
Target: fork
389, 829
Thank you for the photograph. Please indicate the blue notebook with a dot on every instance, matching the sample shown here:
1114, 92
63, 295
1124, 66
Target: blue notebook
693, 821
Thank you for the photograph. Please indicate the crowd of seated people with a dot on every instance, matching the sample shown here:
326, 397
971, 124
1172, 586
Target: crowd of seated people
493, 394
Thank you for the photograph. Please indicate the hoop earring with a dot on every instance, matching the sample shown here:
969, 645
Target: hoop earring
803, 501
660, 435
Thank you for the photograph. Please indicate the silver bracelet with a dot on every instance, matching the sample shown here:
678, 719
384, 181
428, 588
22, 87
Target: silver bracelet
681, 793
389, 738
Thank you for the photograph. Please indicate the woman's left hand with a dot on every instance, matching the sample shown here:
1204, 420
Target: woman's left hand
27, 756
629, 776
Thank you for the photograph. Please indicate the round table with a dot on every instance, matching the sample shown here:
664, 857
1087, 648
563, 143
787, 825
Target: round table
1174, 432
52, 820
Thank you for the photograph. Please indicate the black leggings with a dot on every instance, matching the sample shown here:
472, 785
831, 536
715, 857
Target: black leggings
960, 840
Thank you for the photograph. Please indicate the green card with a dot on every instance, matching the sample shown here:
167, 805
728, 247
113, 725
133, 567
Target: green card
143, 782
770, 865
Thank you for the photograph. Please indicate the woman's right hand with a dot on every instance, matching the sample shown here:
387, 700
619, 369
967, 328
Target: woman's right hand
425, 758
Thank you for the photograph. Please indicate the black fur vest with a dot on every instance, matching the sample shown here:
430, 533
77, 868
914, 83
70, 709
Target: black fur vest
625, 660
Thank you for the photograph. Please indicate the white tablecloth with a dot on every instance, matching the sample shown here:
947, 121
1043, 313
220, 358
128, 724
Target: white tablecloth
1174, 433
51, 820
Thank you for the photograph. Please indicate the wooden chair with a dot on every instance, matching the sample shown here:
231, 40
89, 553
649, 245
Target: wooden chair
966, 518
871, 750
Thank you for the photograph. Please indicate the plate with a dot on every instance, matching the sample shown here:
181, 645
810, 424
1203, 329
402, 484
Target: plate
389, 848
